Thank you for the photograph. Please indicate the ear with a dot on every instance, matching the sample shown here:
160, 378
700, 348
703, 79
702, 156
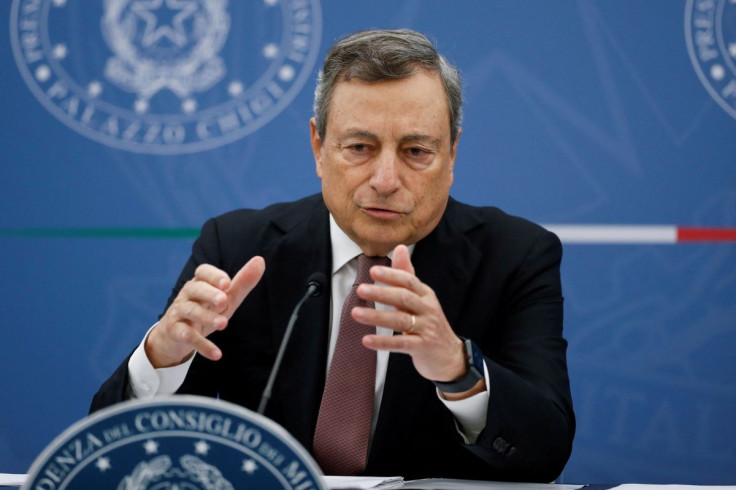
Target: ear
316, 146
453, 155
453, 151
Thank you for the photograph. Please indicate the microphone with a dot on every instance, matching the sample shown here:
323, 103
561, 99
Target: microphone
315, 283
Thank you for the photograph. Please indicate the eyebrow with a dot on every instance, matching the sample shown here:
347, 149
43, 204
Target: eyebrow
408, 138
422, 138
361, 134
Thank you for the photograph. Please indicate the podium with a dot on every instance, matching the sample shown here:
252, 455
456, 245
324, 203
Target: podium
177, 442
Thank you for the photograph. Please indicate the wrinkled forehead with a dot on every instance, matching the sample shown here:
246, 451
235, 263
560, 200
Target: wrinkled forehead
424, 96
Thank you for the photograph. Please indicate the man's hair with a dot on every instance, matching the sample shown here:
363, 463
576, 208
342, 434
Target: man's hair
375, 55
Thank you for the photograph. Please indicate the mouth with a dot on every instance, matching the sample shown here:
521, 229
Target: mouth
381, 213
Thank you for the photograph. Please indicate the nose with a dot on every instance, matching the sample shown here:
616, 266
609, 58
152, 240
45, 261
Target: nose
385, 179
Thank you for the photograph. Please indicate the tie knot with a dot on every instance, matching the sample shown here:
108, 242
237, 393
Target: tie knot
364, 266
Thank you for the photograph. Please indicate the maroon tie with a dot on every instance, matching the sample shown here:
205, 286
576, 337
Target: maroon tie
344, 422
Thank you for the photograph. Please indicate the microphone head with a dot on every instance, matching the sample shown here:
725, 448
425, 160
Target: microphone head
316, 282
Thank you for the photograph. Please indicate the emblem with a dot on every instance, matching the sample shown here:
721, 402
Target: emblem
150, 56
710, 32
165, 76
175, 443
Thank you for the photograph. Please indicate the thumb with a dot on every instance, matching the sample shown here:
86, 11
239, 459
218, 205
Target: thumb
244, 281
401, 259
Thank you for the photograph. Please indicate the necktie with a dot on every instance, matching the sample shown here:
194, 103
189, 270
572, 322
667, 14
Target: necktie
344, 421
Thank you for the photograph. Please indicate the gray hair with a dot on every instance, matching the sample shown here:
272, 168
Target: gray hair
371, 56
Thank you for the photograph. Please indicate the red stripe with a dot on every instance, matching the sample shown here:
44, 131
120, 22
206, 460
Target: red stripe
697, 234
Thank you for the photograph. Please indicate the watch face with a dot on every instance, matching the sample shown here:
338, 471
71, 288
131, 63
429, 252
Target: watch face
474, 374
475, 357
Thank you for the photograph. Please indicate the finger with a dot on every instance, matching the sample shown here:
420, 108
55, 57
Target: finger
205, 293
402, 260
399, 297
196, 314
245, 280
395, 320
399, 278
190, 335
212, 275
405, 344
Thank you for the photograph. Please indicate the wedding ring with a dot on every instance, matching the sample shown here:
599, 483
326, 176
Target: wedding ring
413, 324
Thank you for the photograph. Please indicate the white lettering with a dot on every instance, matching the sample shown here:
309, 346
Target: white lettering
152, 133
244, 113
45, 484
294, 475
88, 113
57, 91
174, 133
729, 90
260, 104
203, 131
71, 105
228, 122
131, 130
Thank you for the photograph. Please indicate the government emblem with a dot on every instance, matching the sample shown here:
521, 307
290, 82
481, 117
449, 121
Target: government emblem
710, 32
165, 76
175, 443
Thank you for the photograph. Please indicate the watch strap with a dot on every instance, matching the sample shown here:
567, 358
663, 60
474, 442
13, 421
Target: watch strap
471, 377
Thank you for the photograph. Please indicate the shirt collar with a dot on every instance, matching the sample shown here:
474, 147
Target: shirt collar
344, 249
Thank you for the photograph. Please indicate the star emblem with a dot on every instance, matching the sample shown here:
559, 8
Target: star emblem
94, 88
151, 447
235, 88
249, 466
270, 51
201, 448
155, 30
59, 51
103, 464
189, 106
141, 106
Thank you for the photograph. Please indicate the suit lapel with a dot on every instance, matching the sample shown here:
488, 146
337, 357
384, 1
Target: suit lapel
446, 260
303, 249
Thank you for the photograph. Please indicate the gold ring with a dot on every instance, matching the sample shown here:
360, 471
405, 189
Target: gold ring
413, 324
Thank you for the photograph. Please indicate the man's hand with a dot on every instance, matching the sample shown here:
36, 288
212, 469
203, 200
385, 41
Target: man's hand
436, 351
203, 305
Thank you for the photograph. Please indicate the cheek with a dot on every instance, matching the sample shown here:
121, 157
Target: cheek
431, 195
336, 188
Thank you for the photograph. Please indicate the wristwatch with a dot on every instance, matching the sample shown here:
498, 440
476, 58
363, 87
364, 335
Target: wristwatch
474, 359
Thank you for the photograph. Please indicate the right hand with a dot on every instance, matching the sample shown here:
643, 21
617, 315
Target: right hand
203, 305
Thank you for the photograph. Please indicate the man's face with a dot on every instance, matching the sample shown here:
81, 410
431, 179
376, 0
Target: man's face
386, 162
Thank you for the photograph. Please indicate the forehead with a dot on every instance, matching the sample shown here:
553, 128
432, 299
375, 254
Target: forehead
418, 101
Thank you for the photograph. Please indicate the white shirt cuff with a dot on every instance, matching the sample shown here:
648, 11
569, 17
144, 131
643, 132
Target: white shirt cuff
146, 381
470, 413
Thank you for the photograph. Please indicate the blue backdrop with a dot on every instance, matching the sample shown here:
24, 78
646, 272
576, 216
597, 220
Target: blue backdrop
126, 124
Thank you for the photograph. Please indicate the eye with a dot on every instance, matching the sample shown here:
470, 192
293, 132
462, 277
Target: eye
417, 152
418, 155
357, 152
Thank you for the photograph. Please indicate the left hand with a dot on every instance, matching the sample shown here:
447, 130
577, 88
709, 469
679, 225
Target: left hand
436, 351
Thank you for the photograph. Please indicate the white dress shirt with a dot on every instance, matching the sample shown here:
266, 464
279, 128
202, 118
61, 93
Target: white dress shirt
470, 413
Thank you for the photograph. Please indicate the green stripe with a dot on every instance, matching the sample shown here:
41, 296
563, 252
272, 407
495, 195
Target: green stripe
99, 233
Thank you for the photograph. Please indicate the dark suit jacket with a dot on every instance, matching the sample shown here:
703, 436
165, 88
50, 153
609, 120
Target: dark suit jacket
497, 278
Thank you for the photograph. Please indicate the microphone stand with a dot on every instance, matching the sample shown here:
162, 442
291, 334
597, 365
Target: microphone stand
314, 288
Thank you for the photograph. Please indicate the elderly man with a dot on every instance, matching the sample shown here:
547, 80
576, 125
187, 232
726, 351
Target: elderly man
447, 357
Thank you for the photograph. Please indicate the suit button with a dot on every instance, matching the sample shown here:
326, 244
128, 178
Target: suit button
500, 445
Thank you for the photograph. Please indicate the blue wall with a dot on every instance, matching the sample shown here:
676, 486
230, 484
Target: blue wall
577, 112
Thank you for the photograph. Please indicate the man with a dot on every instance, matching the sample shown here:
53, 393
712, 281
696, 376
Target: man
462, 281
